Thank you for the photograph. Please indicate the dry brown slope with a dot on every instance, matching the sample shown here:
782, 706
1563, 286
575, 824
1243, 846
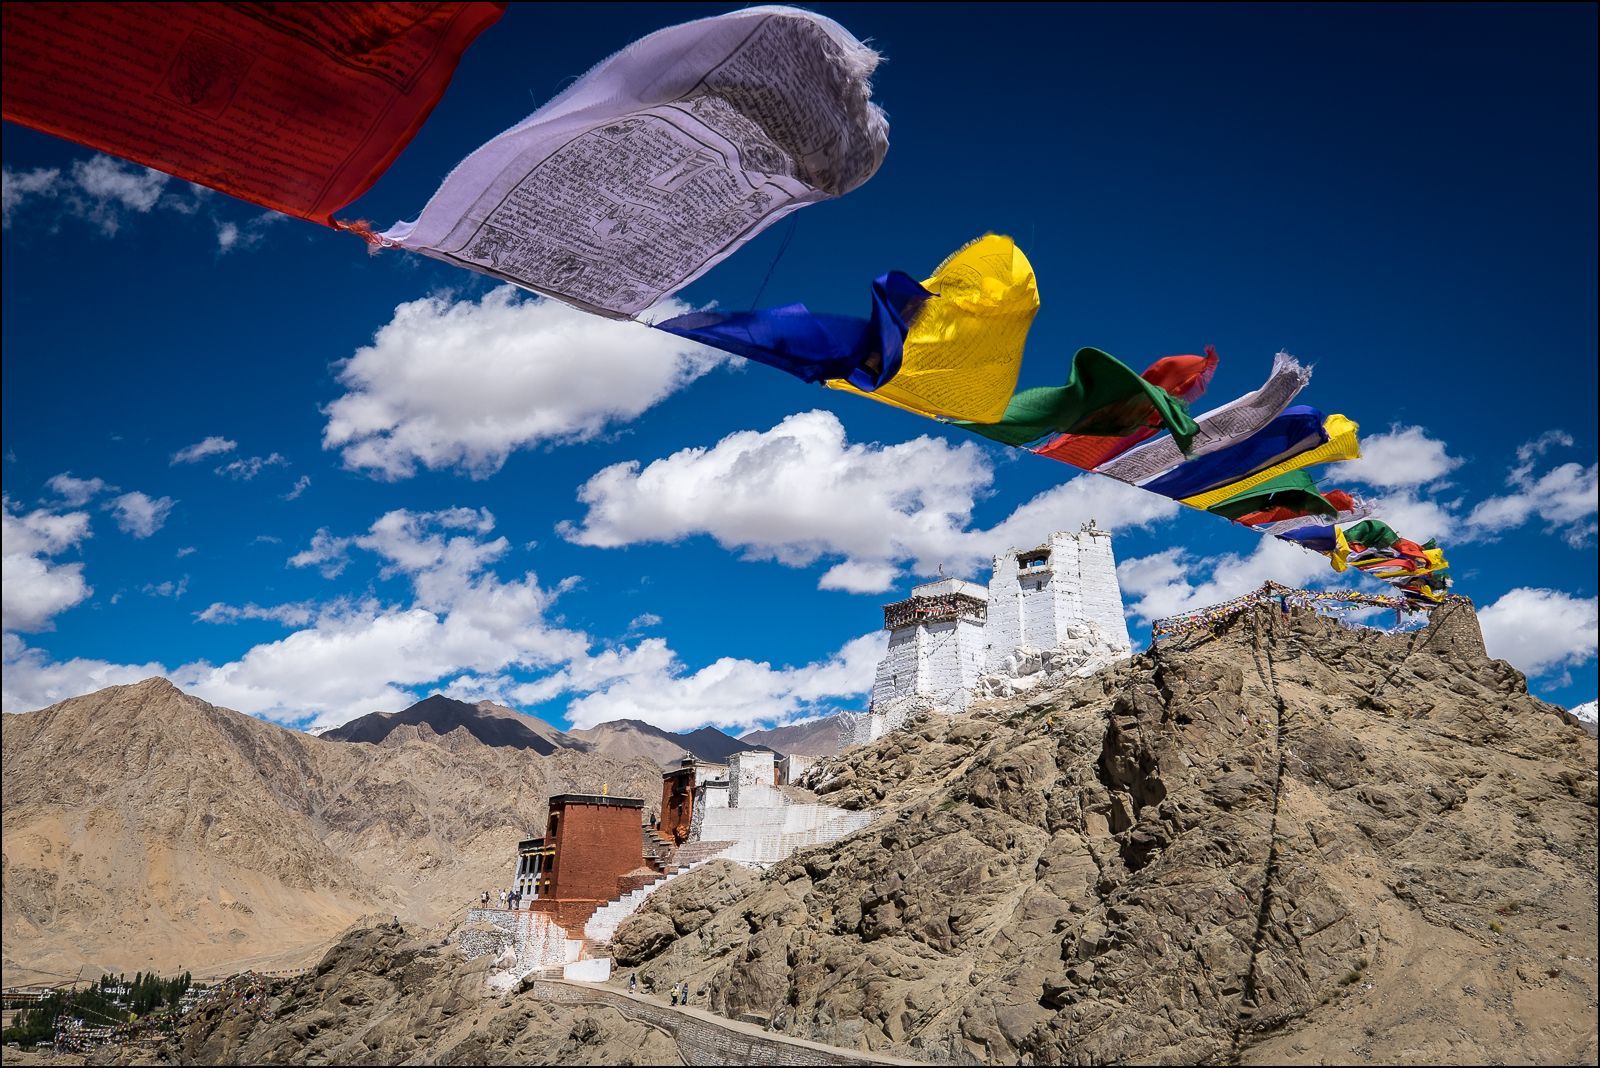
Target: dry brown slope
146, 828
1290, 842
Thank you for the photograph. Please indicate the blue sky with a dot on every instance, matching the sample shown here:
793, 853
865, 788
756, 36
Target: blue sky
1403, 197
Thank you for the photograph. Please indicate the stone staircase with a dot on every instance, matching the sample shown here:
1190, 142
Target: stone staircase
657, 848
608, 917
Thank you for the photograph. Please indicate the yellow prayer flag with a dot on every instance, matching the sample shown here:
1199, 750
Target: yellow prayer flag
963, 351
1341, 445
1341, 551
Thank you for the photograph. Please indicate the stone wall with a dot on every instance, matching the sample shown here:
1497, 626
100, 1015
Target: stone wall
534, 939
701, 1038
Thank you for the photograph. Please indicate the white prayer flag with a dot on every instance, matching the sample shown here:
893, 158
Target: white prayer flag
663, 160
1219, 428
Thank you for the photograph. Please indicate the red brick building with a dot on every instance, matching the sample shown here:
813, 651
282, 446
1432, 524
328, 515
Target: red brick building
677, 796
592, 852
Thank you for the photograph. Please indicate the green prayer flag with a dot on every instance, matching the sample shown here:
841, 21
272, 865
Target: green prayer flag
1103, 397
1371, 534
1296, 489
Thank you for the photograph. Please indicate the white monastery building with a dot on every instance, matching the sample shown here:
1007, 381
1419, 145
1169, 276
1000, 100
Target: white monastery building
1053, 610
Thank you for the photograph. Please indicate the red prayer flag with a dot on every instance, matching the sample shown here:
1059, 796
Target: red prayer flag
295, 106
1185, 377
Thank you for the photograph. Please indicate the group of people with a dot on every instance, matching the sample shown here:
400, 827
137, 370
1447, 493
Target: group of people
509, 899
680, 990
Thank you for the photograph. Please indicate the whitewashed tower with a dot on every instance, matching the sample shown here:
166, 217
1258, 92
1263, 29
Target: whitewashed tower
1058, 595
936, 645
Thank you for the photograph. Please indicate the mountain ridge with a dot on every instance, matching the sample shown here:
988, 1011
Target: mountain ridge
146, 828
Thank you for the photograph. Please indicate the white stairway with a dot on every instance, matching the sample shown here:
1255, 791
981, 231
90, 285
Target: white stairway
608, 917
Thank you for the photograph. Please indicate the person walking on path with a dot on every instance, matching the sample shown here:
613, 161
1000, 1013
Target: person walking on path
684, 997
633, 982
674, 995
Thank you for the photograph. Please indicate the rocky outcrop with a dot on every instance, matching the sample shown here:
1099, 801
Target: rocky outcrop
384, 995
1289, 841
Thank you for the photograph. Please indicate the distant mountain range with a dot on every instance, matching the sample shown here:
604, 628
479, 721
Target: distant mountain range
147, 829
622, 739
815, 737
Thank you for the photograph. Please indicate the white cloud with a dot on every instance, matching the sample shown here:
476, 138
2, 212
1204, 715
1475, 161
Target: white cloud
32, 680
1540, 631
246, 468
328, 553
140, 514
169, 588
291, 615
1404, 456
1566, 498
730, 692
801, 492
236, 236
362, 657
644, 621
1172, 581
187, 550
75, 492
301, 484
212, 446
105, 191
19, 186
539, 372
33, 588
1550, 439
466, 630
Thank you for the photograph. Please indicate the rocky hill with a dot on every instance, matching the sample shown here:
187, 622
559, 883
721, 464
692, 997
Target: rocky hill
146, 828
1286, 842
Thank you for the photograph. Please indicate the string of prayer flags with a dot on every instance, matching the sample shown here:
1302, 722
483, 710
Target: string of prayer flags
662, 161
1297, 430
1341, 444
1185, 377
1216, 429
814, 347
1102, 396
296, 107
963, 349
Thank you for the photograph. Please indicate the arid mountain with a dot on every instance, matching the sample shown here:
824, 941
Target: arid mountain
624, 739
146, 828
817, 737
486, 721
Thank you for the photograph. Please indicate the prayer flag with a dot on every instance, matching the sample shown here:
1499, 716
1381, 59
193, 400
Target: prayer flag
662, 161
1102, 396
1218, 428
1341, 445
1298, 430
963, 349
1185, 377
297, 107
1295, 489
811, 346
